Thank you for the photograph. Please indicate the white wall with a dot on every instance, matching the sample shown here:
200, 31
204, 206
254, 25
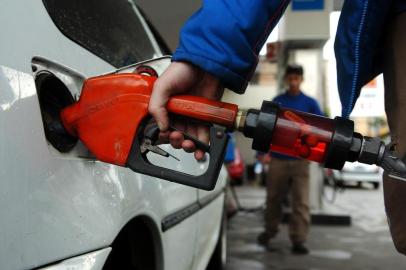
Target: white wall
253, 97
306, 25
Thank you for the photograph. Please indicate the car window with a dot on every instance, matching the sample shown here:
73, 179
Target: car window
163, 46
110, 29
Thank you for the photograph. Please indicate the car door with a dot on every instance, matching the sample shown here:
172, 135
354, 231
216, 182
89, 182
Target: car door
209, 220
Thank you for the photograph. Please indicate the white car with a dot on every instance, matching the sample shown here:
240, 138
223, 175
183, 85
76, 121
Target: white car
61, 208
358, 173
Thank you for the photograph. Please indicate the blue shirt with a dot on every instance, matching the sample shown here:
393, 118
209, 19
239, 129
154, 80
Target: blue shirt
299, 102
229, 157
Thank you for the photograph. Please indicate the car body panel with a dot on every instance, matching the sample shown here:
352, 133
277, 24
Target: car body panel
82, 199
208, 235
91, 261
55, 206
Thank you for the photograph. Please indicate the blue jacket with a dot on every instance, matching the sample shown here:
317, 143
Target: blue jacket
225, 36
358, 45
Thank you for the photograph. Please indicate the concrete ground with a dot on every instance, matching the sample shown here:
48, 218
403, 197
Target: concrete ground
365, 245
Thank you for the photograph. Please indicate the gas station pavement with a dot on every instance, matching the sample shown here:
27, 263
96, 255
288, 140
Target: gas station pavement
364, 245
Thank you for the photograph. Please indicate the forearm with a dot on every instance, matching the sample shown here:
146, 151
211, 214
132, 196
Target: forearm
224, 38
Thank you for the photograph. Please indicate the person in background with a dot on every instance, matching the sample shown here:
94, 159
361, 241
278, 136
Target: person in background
290, 174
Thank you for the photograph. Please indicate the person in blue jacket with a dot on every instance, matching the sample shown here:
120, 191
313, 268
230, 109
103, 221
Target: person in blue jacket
289, 175
219, 48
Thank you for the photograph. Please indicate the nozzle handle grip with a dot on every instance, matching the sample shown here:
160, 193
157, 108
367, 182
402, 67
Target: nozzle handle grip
206, 110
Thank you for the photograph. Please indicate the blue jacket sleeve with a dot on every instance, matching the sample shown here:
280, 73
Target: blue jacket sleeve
315, 108
358, 47
224, 38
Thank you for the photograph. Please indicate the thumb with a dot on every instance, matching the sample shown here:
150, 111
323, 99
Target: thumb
157, 105
177, 78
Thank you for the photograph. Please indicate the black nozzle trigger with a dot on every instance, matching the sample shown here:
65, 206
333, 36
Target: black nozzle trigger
152, 134
138, 161
150, 140
199, 144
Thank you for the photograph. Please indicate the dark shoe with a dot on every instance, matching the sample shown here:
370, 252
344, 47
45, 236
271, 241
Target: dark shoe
299, 249
263, 239
271, 248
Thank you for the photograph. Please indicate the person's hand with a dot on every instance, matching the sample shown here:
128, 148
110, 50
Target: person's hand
182, 78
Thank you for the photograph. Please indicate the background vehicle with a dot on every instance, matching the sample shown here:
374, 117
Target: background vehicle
356, 173
234, 163
61, 207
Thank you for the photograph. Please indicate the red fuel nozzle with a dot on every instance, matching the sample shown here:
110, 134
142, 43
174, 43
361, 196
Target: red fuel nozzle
111, 119
299, 134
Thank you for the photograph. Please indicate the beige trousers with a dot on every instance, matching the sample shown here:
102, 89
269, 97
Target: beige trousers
285, 175
395, 106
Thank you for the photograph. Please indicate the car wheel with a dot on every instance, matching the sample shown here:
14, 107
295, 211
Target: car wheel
340, 183
218, 260
376, 185
359, 184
